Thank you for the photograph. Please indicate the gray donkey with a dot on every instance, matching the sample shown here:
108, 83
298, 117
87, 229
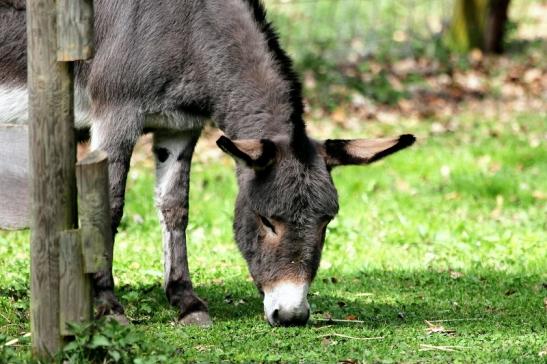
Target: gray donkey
168, 65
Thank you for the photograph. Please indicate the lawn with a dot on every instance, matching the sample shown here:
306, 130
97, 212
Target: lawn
438, 255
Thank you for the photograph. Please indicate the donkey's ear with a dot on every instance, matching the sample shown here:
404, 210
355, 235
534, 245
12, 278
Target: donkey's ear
341, 152
257, 154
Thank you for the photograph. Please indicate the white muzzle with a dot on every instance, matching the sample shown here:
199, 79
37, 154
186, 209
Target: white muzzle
286, 304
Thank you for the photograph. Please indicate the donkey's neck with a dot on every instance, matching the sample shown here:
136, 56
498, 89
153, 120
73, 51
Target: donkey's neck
259, 96
258, 106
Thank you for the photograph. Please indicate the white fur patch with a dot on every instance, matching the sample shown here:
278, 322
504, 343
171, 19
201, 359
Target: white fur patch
168, 174
13, 105
168, 171
288, 297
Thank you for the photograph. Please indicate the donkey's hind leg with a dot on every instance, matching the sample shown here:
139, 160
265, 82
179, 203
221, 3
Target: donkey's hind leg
173, 158
116, 133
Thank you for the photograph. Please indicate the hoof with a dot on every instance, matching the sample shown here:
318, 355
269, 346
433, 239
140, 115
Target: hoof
106, 304
119, 318
198, 318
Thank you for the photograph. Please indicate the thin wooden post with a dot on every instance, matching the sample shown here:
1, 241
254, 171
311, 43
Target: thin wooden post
52, 160
84, 251
76, 298
94, 211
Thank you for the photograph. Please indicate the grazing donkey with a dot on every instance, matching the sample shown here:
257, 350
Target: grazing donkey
166, 66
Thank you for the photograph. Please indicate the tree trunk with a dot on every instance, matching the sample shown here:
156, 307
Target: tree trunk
478, 24
495, 26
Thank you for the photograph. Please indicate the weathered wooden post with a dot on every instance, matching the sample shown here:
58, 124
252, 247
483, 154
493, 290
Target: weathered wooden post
51, 31
84, 251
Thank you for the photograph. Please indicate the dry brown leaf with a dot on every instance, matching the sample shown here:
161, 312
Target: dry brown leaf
452, 196
326, 341
339, 115
349, 361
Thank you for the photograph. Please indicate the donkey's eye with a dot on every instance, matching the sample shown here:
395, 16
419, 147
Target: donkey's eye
267, 223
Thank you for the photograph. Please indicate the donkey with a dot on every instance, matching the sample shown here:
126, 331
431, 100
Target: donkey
166, 66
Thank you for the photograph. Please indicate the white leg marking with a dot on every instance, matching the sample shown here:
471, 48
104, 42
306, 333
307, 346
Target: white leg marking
168, 174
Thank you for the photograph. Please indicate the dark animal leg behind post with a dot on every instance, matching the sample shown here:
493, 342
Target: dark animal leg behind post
115, 133
173, 160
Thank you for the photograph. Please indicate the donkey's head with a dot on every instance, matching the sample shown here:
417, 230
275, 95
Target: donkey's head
284, 204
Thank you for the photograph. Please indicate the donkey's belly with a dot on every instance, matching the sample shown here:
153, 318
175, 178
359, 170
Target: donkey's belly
14, 107
176, 121
14, 111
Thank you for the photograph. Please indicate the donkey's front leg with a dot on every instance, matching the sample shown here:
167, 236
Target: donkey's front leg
116, 133
173, 158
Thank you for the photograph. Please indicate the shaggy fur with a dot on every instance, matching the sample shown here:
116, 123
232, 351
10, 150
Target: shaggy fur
166, 66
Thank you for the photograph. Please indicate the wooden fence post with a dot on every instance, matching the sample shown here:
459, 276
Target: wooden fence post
52, 159
54, 33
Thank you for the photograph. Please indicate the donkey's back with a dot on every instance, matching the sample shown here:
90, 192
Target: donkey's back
144, 58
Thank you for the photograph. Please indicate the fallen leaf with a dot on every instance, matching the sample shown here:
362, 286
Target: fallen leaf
351, 317
349, 361
326, 341
452, 196
240, 302
339, 115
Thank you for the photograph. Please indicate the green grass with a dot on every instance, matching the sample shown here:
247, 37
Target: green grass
453, 229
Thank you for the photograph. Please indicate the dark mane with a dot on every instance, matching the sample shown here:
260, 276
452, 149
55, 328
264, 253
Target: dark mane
301, 145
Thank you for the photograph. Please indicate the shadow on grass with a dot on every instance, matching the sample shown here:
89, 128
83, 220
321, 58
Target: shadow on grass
373, 299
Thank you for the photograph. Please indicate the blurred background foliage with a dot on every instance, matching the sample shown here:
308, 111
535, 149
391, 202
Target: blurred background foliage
377, 59
452, 230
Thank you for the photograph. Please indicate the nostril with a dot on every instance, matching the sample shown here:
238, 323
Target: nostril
275, 315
